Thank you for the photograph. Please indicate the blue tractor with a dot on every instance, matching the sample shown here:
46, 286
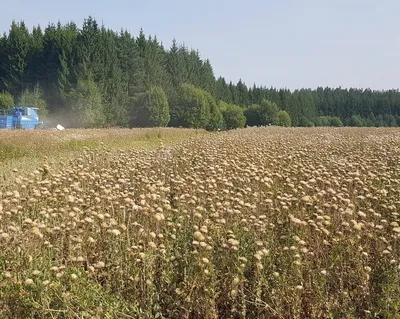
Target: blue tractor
21, 117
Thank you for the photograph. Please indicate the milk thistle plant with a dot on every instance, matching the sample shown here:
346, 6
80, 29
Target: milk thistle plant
253, 223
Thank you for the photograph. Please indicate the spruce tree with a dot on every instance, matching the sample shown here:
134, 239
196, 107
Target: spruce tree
18, 46
123, 68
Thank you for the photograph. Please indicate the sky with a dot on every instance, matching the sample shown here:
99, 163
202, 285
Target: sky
280, 43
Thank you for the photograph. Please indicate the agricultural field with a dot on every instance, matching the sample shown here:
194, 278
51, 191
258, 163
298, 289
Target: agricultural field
249, 223
23, 151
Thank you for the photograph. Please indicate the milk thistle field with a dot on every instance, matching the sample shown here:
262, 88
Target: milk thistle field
252, 223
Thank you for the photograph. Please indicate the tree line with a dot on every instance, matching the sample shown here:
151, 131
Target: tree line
96, 77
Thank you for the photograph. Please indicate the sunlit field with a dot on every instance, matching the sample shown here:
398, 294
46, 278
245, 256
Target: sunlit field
251, 223
24, 151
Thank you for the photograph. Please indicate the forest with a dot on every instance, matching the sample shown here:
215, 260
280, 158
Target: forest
92, 76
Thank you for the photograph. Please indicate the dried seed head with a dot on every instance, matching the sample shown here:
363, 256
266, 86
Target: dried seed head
29, 282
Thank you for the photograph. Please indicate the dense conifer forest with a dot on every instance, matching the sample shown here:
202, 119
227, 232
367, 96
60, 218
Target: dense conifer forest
91, 76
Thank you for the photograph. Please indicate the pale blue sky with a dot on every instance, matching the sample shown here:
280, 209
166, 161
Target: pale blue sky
281, 43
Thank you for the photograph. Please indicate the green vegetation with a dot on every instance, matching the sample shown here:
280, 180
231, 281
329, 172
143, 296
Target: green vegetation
283, 119
266, 113
233, 116
86, 102
216, 121
191, 108
94, 77
329, 121
6, 101
153, 109
33, 97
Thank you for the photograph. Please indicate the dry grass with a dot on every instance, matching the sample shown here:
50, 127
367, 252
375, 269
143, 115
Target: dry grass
25, 150
254, 223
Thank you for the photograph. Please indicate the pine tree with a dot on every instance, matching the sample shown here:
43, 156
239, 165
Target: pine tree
111, 84
176, 65
128, 57
234, 93
34, 56
222, 91
3, 63
242, 93
152, 62
207, 78
89, 50
121, 69
194, 65
56, 68
18, 45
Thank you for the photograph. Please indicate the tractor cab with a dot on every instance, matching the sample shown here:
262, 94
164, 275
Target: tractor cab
23, 117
